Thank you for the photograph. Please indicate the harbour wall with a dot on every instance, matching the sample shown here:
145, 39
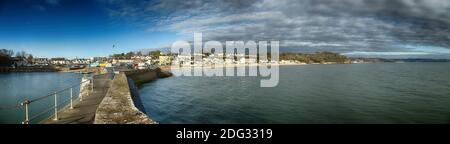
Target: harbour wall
122, 104
118, 107
140, 77
28, 69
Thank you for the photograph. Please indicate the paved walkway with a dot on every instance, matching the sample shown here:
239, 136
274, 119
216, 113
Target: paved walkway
84, 111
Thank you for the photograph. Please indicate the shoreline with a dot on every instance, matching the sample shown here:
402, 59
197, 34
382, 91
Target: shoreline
168, 68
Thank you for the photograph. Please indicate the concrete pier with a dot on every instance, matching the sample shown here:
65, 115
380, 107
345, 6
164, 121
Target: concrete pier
118, 107
111, 102
84, 111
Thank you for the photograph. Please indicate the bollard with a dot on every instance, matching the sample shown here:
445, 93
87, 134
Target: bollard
71, 98
56, 108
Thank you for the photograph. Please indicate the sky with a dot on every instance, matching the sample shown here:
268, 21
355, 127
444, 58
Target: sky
357, 28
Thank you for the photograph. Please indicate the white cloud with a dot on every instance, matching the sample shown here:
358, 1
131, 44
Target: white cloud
348, 26
363, 53
312, 44
426, 48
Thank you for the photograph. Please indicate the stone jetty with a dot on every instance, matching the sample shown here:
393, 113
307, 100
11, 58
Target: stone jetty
111, 102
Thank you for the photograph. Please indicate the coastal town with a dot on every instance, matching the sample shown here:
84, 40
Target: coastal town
24, 62
223, 71
111, 81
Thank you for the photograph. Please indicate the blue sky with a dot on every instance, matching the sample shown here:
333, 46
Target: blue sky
70, 29
368, 28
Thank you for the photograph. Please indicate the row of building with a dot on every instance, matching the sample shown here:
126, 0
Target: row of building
202, 59
142, 62
58, 61
94, 61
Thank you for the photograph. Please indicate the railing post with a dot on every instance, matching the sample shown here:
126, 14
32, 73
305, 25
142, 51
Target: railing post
56, 108
71, 98
92, 84
27, 120
81, 92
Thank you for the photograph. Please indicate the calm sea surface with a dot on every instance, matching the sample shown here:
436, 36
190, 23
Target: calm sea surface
17, 87
356, 93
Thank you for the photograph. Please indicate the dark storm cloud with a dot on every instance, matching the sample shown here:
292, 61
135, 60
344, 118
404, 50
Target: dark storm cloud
346, 26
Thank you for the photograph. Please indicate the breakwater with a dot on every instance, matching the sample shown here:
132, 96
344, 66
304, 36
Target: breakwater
140, 77
118, 107
121, 105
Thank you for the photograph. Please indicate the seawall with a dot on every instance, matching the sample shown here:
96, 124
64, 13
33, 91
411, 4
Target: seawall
118, 107
28, 69
122, 104
140, 77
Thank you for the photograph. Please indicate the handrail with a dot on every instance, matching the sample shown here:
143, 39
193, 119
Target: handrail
47, 110
57, 92
40, 98
26, 103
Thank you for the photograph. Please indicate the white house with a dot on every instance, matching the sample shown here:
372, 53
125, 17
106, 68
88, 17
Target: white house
59, 61
80, 61
41, 61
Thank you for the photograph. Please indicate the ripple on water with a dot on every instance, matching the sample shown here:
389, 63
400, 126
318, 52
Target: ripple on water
363, 93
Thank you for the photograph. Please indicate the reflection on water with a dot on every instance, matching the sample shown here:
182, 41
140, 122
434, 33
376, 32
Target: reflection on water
357, 93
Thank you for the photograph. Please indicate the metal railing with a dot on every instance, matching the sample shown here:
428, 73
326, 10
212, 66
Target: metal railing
27, 103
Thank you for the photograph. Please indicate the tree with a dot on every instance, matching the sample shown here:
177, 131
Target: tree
30, 58
129, 55
318, 57
7, 53
5, 57
21, 54
155, 54
118, 56
5, 61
